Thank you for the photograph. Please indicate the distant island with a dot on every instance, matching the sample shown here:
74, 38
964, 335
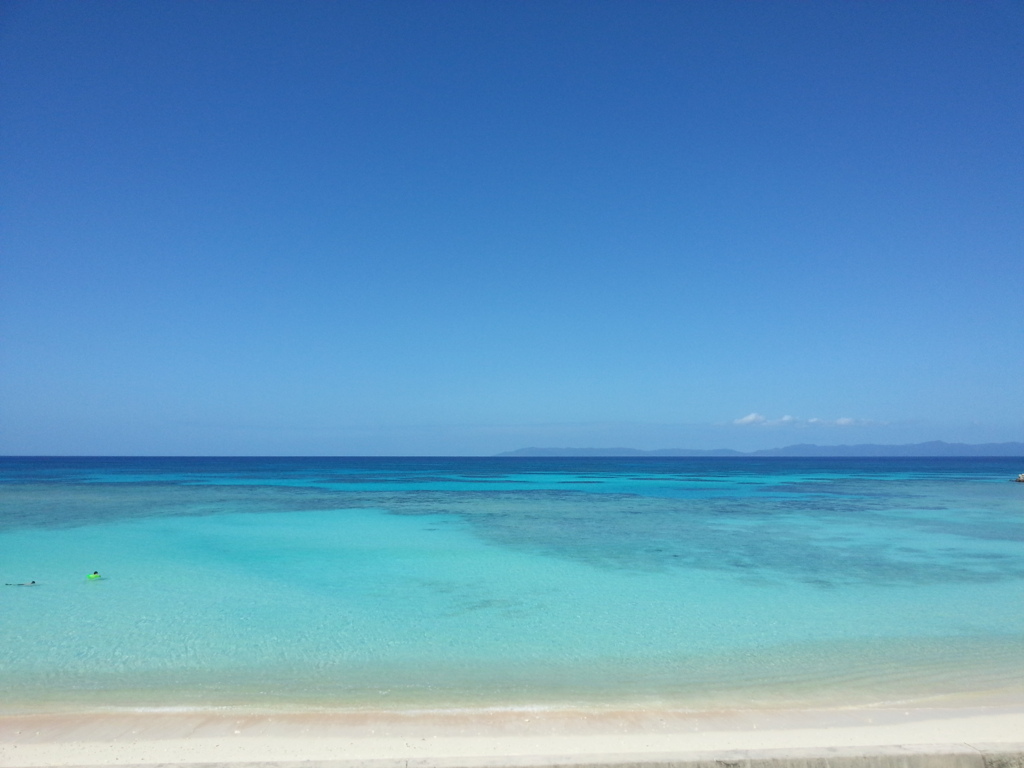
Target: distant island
867, 450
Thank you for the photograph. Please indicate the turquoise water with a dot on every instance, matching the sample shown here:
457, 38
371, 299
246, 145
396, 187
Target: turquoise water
411, 583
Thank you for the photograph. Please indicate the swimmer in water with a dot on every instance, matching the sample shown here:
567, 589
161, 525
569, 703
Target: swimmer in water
25, 584
94, 575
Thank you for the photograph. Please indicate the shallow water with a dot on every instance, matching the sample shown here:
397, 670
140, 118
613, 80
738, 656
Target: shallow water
697, 583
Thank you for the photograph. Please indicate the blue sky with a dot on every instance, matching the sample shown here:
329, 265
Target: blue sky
469, 227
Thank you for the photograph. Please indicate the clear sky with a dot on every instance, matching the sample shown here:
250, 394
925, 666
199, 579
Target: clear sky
466, 226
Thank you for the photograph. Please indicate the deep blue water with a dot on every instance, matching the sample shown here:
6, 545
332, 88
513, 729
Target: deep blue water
707, 582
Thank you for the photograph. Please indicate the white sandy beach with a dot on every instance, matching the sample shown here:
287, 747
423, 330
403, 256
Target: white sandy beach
525, 737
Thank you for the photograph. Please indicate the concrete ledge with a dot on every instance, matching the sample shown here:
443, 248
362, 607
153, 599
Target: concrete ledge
913, 756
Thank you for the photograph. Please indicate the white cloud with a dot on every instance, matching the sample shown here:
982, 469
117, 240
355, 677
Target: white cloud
751, 418
794, 421
845, 421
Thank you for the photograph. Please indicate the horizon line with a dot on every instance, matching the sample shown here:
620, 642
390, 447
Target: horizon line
596, 452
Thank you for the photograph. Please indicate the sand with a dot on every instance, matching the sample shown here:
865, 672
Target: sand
914, 738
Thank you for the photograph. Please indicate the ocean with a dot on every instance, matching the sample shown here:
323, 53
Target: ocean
701, 584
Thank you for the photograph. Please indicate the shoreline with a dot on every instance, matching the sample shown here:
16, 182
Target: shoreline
447, 739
